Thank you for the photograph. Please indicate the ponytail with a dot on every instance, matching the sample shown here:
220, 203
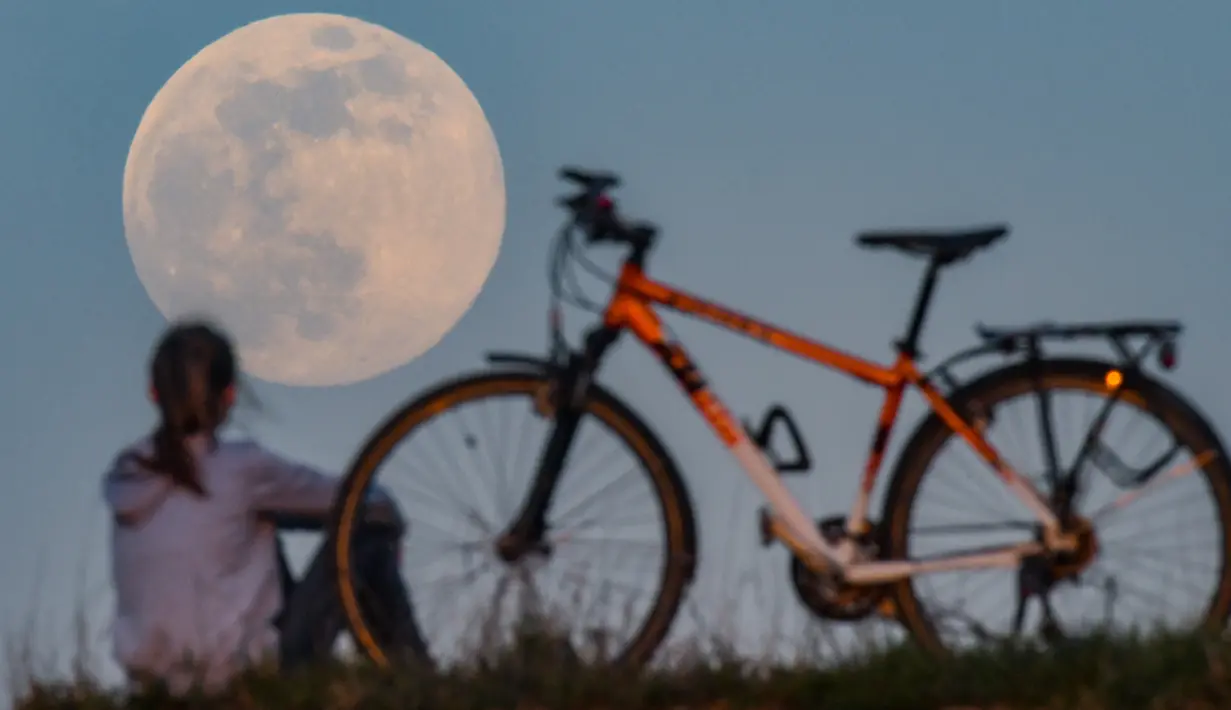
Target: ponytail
192, 368
173, 459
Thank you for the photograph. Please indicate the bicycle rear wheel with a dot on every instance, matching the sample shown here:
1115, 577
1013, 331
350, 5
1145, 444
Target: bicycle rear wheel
1121, 496
648, 497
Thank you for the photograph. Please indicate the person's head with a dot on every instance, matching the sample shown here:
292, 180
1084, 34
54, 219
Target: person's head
192, 382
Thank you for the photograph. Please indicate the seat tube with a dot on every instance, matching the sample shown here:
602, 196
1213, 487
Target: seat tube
857, 519
909, 345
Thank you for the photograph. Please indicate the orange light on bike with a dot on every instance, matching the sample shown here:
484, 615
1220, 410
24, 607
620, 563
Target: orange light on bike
1113, 379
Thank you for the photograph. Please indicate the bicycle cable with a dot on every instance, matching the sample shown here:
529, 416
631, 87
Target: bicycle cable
563, 280
564, 289
566, 253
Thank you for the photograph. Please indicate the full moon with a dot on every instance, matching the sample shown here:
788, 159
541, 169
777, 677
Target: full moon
327, 190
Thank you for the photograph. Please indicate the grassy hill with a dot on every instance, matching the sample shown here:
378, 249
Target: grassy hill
1091, 674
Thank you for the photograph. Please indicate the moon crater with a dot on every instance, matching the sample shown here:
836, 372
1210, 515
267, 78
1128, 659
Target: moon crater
329, 190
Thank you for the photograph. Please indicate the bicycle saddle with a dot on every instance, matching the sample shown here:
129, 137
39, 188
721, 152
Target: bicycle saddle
945, 246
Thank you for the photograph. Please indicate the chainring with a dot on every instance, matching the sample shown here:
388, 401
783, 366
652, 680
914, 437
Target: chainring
826, 596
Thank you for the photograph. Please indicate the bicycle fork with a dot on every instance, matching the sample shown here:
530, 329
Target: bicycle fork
568, 391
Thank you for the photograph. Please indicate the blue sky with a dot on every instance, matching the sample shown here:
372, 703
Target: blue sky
761, 136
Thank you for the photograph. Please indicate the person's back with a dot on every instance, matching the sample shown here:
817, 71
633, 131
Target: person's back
198, 576
194, 553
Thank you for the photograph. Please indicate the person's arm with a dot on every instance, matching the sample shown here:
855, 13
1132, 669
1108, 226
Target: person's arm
296, 492
131, 491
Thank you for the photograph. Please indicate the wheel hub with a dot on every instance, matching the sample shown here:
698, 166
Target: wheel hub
1069, 564
514, 544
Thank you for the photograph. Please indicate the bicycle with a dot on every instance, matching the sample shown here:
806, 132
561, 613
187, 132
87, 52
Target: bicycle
846, 568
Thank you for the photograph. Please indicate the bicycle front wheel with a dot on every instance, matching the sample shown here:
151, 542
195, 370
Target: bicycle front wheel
1150, 499
459, 459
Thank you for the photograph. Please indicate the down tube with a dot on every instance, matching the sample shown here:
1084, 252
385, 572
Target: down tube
750, 457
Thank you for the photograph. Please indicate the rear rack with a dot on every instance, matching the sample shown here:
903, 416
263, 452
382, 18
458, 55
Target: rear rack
1028, 341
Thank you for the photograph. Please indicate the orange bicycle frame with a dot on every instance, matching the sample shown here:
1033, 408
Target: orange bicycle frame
631, 308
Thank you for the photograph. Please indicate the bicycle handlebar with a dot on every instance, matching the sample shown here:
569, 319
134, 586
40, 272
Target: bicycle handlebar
598, 182
595, 212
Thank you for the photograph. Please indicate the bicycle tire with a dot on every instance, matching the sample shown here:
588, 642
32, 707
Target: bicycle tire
1171, 409
669, 488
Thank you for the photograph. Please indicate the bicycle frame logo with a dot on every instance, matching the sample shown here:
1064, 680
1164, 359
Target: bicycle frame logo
694, 384
631, 308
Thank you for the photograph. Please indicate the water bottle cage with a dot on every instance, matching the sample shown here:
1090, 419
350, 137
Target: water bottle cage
763, 436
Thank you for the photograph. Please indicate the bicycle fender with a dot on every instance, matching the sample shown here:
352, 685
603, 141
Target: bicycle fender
519, 361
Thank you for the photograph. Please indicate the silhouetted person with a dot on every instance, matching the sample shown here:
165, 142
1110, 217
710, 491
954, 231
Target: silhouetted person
202, 589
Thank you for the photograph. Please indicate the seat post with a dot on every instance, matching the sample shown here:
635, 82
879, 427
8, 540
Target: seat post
909, 345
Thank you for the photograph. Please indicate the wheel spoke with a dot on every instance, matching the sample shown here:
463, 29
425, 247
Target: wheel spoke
1089, 443
1117, 459
461, 469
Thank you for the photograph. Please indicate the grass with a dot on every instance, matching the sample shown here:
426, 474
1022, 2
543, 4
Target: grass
536, 671
1101, 673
